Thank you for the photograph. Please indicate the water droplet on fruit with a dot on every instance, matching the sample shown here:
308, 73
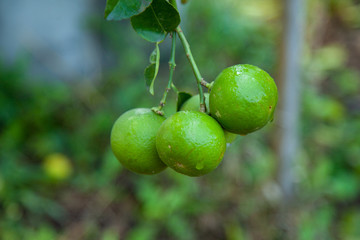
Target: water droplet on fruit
199, 166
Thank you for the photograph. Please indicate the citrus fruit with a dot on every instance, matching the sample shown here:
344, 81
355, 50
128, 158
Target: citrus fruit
191, 143
193, 104
243, 99
133, 141
57, 166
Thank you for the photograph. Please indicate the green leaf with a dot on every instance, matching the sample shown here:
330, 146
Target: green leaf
152, 70
122, 9
152, 58
182, 97
149, 74
158, 19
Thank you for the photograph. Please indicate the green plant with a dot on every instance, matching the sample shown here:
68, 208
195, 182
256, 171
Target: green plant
235, 107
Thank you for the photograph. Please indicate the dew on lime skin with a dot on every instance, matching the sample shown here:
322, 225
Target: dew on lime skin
199, 166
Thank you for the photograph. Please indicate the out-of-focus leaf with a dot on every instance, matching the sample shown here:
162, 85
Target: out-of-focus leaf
234, 231
343, 186
110, 234
43, 233
330, 57
349, 226
322, 219
321, 173
122, 9
144, 231
158, 19
176, 226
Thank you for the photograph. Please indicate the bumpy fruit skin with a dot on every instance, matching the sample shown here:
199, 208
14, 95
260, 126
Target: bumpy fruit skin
243, 99
191, 143
133, 141
193, 104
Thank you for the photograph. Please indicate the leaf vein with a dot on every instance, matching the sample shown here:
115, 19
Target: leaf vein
156, 17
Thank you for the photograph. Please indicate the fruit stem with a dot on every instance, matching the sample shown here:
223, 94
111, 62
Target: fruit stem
174, 88
170, 84
206, 84
195, 69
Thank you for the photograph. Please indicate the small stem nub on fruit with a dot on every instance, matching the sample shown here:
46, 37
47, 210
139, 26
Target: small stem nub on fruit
170, 84
194, 67
206, 84
158, 111
202, 108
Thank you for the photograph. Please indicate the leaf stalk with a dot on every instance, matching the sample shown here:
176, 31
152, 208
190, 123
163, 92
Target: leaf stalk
170, 84
199, 79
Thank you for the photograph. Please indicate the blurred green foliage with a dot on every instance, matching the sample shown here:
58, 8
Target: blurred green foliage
98, 199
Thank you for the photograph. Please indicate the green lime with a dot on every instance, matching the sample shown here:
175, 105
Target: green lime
230, 137
191, 143
193, 104
243, 99
133, 141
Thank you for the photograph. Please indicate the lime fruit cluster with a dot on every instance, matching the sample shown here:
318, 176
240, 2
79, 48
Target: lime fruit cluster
242, 100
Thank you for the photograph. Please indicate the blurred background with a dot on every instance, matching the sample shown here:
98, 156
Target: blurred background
66, 74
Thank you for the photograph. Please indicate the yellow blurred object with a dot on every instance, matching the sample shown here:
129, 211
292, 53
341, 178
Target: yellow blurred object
57, 166
259, 9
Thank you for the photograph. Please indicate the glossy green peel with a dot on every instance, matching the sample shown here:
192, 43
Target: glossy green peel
193, 104
243, 99
133, 141
191, 143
